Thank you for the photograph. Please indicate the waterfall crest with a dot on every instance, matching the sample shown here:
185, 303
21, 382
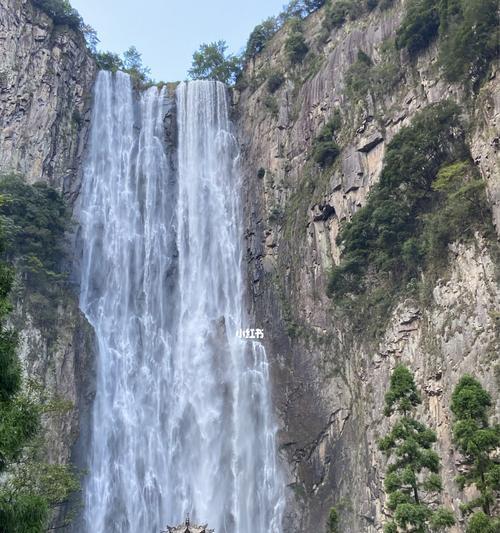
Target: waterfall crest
182, 419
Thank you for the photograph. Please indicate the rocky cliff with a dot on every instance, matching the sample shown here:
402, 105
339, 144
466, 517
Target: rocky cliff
330, 377
46, 77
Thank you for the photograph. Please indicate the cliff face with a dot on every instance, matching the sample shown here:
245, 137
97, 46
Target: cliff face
46, 76
330, 379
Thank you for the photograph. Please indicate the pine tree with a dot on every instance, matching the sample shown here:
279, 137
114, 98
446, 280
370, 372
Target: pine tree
477, 441
412, 475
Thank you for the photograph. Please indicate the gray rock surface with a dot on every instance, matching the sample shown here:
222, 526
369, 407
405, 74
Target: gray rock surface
329, 382
46, 76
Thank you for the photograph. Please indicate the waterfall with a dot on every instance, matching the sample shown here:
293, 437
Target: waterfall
182, 420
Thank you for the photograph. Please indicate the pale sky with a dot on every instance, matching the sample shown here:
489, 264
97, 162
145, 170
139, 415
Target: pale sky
167, 32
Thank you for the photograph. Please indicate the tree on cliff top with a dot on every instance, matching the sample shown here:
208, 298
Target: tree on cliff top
412, 476
212, 62
477, 441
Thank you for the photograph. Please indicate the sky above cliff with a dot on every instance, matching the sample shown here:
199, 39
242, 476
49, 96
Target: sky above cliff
167, 32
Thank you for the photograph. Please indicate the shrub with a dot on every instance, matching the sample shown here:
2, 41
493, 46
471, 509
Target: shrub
420, 26
275, 81
61, 12
339, 11
271, 105
468, 31
325, 149
357, 79
333, 521
390, 233
34, 218
296, 47
469, 35
261, 172
260, 36
364, 77
386, 4
325, 153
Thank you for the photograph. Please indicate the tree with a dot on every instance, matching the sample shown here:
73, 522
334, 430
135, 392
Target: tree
412, 475
109, 61
333, 521
295, 45
132, 62
91, 38
260, 36
477, 441
61, 12
212, 62
28, 486
419, 26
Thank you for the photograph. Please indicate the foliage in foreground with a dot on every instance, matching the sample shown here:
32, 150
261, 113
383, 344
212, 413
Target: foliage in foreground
477, 441
412, 474
29, 488
34, 219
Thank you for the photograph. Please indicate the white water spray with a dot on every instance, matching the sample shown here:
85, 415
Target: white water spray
182, 416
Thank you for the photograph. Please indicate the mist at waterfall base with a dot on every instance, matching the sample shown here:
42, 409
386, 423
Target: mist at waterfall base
182, 420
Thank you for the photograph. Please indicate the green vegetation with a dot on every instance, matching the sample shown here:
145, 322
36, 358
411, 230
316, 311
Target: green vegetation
412, 475
364, 77
358, 76
61, 12
29, 488
130, 62
109, 61
275, 81
260, 36
325, 148
295, 46
468, 33
424, 201
477, 441
470, 39
339, 11
34, 219
382, 4
265, 31
419, 27
211, 62
333, 521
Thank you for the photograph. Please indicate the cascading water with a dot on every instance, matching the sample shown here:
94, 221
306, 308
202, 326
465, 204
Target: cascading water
182, 417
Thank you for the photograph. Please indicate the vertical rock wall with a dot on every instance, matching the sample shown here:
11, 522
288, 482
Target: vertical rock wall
46, 78
330, 380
